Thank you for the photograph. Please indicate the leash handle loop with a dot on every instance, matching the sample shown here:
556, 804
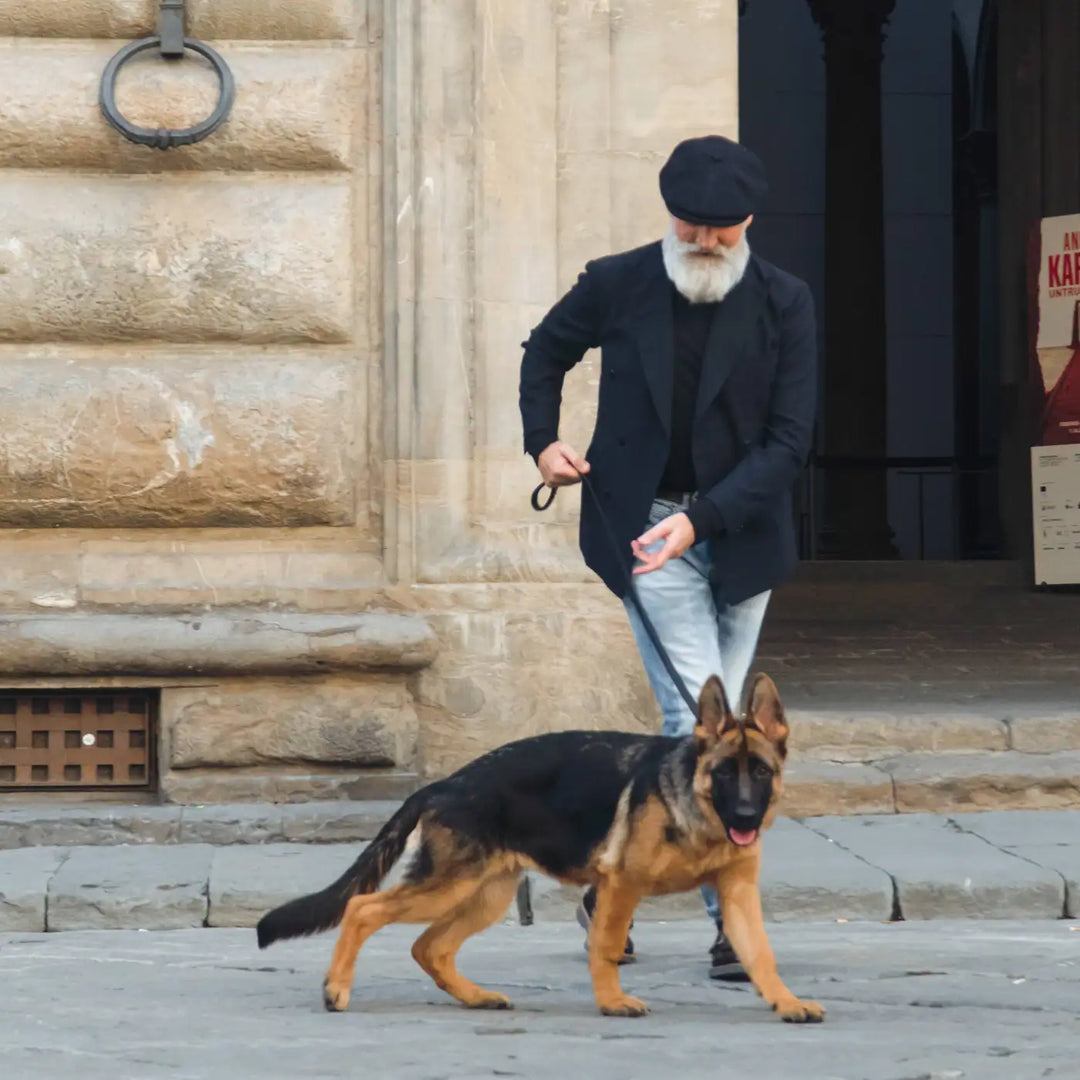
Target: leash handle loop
535, 500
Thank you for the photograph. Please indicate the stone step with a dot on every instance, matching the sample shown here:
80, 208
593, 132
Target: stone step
944, 782
1009, 781
865, 735
229, 824
813, 788
194, 787
911, 866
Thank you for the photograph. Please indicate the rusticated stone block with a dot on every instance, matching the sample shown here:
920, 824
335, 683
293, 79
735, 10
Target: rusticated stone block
255, 260
42, 579
182, 442
218, 644
294, 109
504, 676
126, 575
279, 20
357, 722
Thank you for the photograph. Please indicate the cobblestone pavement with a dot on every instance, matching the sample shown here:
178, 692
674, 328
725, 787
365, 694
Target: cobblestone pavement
972, 1000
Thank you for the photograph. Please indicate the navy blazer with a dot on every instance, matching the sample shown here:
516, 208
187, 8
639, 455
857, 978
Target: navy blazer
753, 423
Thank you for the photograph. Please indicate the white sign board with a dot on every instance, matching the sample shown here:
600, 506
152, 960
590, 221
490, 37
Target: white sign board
1055, 482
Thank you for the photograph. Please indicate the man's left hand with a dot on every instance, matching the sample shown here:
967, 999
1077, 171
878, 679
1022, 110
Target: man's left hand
677, 534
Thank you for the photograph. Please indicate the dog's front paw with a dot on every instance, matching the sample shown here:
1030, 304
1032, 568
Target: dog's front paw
794, 1011
335, 998
489, 999
624, 1006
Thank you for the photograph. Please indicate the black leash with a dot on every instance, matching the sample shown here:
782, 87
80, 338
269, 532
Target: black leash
631, 589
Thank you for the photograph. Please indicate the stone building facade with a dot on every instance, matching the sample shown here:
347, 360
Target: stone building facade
260, 449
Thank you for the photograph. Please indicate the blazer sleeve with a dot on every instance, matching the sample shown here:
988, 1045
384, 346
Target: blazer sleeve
573, 326
771, 468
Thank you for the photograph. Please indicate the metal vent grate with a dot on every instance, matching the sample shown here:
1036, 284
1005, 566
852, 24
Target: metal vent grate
76, 738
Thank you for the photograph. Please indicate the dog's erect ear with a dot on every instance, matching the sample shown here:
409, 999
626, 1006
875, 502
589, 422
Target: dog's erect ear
764, 712
714, 712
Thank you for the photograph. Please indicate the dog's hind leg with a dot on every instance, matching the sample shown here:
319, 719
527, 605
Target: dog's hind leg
436, 948
425, 903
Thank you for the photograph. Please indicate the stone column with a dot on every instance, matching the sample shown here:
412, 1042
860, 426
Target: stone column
856, 512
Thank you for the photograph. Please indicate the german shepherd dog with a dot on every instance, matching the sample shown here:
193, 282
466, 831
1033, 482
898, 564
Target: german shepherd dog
634, 815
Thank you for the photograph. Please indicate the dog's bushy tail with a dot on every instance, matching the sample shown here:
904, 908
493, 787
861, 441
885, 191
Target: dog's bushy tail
323, 910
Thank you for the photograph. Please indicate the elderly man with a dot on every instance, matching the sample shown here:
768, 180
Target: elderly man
705, 417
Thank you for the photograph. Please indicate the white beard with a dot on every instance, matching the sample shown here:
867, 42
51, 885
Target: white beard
704, 278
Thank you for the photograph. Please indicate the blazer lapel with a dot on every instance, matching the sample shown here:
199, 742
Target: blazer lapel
655, 334
730, 335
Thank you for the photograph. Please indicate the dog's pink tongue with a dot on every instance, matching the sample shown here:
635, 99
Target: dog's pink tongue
742, 839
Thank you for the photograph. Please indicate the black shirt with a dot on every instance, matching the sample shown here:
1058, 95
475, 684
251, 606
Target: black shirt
692, 322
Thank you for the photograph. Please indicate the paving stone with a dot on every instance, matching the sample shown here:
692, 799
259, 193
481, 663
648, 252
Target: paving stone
942, 872
25, 874
1049, 838
247, 881
972, 1000
76, 826
812, 788
1023, 828
806, 877
991, 781
131, 887
1063, 860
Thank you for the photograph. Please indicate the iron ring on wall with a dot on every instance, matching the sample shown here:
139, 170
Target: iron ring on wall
164, 138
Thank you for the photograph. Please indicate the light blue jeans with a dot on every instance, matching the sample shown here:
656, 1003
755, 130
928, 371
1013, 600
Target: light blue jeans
701, 634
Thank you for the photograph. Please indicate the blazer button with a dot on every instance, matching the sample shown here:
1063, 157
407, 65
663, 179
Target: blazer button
622, 442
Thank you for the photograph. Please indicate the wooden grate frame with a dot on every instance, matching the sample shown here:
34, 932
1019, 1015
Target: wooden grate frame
77, 739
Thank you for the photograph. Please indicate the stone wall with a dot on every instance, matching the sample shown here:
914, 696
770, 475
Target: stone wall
535, 142
275, 373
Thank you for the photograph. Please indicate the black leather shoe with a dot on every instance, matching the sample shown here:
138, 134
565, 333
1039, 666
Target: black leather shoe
585, 911
723, 963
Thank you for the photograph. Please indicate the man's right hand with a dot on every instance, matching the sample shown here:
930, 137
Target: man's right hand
560, 465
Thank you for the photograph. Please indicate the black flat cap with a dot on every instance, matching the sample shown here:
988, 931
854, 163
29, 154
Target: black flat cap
712, 181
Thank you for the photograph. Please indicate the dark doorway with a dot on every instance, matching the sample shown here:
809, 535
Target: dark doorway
928, 466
